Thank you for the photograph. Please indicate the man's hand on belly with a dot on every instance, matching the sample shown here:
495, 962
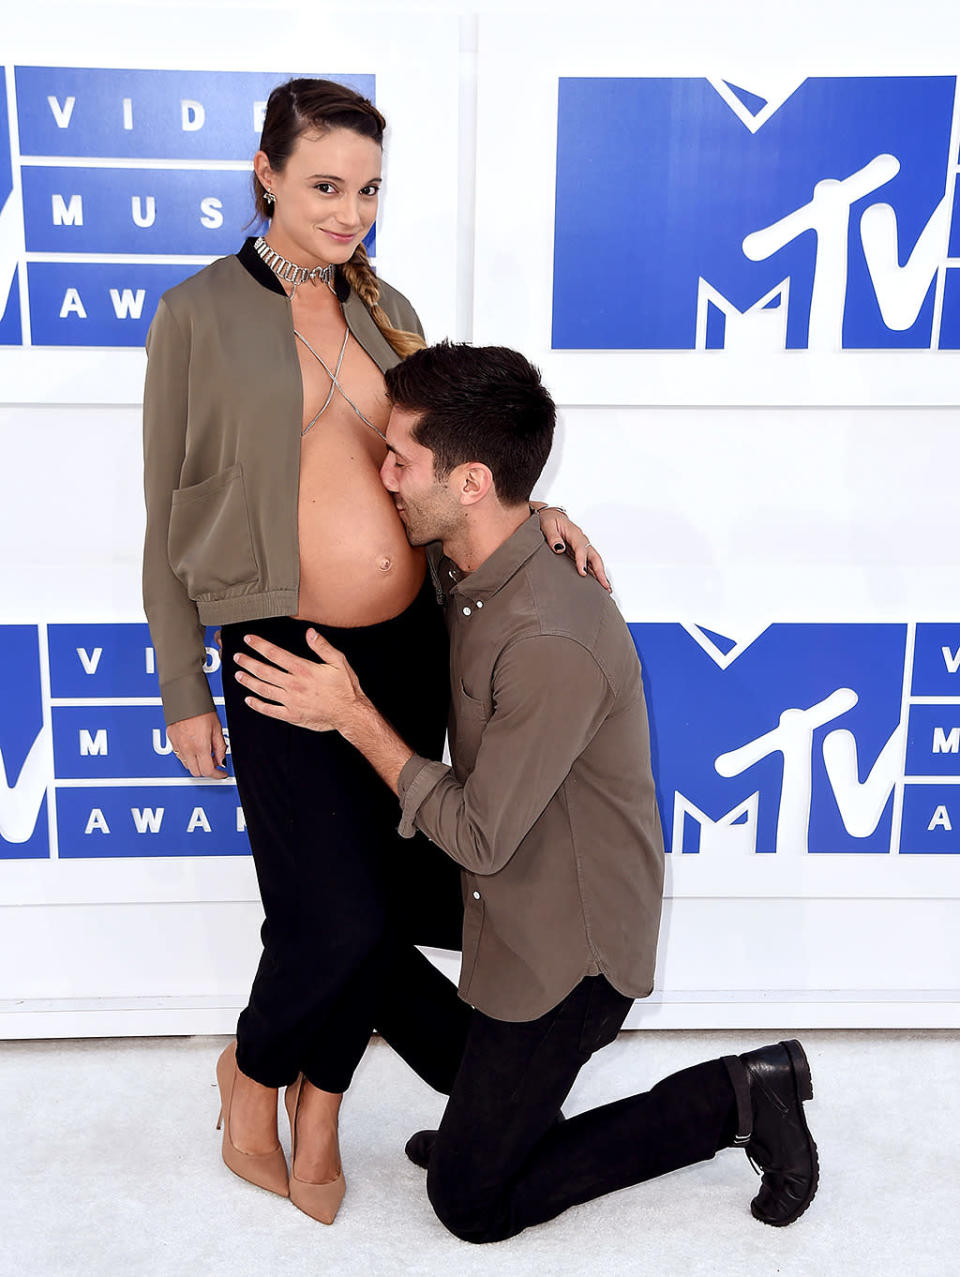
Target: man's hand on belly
321, 697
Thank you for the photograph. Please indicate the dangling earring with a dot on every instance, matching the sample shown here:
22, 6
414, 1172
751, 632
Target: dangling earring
269, 198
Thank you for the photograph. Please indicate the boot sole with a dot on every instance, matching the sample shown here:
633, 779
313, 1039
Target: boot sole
803, 1084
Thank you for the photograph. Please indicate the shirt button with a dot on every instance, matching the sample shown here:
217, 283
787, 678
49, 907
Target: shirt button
479, 604
476, 895
466, 611
451, 574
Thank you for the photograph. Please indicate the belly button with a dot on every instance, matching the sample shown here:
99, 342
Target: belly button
384, 564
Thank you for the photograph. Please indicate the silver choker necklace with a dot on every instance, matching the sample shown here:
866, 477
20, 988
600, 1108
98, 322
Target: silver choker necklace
290, 271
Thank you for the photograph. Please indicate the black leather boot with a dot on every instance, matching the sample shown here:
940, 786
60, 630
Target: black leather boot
771, 1085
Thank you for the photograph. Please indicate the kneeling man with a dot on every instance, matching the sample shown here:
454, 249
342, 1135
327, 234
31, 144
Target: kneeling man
549, 808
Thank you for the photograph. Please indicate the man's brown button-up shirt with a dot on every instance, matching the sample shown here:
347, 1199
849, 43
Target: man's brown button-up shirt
549, 806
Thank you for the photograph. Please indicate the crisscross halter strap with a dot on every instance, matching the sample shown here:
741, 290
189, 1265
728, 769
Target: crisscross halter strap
335, 385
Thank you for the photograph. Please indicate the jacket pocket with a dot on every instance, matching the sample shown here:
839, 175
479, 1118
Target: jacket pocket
209, 542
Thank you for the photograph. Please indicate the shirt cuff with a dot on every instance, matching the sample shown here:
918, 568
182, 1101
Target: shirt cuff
417, 779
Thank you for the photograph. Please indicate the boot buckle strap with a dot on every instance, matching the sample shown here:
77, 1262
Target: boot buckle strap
740, 1081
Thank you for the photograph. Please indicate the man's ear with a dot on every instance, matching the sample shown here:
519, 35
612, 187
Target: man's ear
472, 482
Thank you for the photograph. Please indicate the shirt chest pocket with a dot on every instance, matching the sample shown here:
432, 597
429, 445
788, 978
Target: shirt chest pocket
470, 717
209, 542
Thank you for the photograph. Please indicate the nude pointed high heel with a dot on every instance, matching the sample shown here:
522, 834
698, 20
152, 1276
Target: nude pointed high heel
266, 1170
320, 1201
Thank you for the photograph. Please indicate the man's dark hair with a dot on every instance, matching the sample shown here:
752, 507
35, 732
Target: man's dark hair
478, 403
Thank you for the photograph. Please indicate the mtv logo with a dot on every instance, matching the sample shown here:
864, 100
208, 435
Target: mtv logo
25, 755
814, 214
788, 744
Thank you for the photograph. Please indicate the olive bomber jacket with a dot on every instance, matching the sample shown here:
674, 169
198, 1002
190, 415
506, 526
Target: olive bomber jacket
222, 414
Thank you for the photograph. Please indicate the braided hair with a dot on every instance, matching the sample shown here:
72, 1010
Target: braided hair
302, 104
364, 282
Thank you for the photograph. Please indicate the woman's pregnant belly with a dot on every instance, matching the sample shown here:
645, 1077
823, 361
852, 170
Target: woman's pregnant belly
356, 565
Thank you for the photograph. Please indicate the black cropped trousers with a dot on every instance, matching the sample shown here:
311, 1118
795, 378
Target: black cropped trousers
345, 899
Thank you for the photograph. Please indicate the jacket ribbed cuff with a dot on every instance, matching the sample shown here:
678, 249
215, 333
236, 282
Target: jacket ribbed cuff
186, 697
419, 777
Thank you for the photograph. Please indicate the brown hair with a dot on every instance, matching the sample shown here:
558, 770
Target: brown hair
302, 104
478, 403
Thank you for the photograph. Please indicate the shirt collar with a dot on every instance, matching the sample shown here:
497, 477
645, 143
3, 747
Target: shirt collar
253, 263
506, 560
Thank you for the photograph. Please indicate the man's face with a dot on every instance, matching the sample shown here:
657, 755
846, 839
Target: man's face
427, 507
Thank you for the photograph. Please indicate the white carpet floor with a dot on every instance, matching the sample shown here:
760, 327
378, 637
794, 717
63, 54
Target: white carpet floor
111, 1166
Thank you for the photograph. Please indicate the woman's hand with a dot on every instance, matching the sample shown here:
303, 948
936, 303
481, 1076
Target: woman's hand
198, 743
563, 536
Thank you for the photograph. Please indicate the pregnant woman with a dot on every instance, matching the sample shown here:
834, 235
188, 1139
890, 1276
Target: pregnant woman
264, 413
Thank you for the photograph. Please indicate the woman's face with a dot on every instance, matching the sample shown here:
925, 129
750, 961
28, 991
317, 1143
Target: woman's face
326, 196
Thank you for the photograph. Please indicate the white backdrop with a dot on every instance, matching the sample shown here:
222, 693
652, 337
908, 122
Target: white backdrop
759, 512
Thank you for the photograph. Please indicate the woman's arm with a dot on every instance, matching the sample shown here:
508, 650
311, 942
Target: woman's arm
175, 627
564, 536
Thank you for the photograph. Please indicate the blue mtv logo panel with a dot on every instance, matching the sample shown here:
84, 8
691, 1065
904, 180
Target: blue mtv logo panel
176, 820
794, 747
931, 820
188, 212
171, 115
933, 740
822, 222
10, 334
113, 741
24, 749
112, 661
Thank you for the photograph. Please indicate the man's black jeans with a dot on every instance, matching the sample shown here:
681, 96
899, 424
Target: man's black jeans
501, 1160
